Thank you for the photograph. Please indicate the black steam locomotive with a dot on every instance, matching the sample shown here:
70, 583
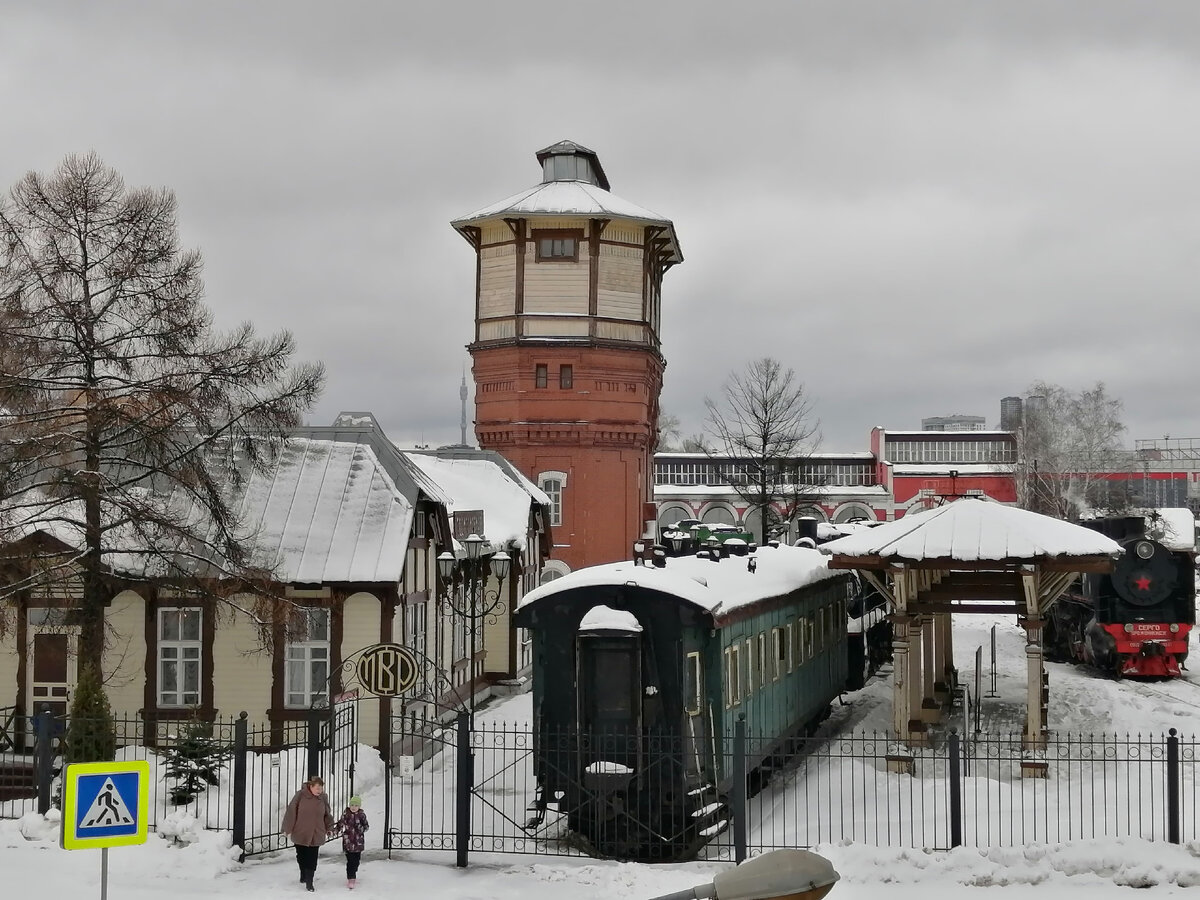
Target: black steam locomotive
1136, 620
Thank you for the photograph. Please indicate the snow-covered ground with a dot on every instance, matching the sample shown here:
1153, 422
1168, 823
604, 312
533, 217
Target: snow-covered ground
31, 862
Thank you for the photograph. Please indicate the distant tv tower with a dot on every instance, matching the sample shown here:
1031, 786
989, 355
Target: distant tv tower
462, 396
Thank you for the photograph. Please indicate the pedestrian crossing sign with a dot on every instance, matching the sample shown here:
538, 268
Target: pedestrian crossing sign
105, 804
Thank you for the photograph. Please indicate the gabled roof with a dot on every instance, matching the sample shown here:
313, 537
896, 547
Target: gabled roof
484, 480
971, 530
327, 510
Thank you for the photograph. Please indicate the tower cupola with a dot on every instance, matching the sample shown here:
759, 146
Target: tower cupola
568, 161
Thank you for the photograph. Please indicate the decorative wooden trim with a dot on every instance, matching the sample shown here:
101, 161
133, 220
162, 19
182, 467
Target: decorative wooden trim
518, 230
595, 229
1096, 564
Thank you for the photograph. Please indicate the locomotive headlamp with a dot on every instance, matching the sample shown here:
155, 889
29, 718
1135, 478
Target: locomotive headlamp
1129, 628
1174, 627
1145, 549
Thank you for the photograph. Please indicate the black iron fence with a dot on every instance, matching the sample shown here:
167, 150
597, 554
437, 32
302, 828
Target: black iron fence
216, 775
504, 788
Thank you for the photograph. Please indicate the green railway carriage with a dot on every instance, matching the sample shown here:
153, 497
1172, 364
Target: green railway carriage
641, 672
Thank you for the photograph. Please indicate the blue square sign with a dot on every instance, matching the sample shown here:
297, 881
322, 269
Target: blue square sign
105, 804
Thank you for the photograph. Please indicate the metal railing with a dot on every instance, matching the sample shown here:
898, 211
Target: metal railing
219, 774
985, 791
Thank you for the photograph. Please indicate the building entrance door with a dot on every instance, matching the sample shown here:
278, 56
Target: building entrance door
51, 662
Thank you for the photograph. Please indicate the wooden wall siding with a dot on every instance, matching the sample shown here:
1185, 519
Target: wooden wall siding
241, 667
631, 332
497, 283
495, 232
361, 618
623, 233
60, 586
556, 287
619, 305
497, 329
561, 327
10, 657
124, 660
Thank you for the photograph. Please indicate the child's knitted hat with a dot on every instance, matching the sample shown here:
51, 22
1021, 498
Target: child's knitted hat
356, 801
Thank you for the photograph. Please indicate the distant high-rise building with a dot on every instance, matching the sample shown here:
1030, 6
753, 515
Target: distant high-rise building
955, 422
1011, 409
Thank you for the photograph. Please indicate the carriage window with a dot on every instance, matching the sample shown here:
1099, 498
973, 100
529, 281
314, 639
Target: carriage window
692, 684
777, 636
808, 637
750, 667
763, 668
797, 642
733, 671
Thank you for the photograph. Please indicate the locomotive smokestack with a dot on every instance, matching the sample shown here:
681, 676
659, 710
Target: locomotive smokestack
806, 527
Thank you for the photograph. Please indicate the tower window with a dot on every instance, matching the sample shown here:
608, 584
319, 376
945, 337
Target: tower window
566, 376
540, 375
557, 245
553, 484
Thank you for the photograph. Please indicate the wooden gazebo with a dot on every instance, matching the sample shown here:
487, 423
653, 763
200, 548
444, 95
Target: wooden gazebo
969, 556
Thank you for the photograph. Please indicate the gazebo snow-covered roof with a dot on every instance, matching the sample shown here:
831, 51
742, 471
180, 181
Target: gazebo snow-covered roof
977, 531
969, 556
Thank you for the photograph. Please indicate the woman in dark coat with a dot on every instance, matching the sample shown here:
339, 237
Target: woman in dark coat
308, 822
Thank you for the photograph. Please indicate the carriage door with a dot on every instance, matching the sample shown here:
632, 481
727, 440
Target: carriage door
610, 696
51, 661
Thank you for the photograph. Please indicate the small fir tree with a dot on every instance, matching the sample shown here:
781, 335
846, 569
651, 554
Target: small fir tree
195, 762
91, 736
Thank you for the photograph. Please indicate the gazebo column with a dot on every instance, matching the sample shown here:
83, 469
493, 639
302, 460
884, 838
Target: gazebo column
945, 662
931, 710
916, 683
1035, 724
901, 650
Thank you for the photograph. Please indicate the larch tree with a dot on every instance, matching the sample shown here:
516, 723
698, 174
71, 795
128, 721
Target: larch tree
763, 434
126, 420
1067, 444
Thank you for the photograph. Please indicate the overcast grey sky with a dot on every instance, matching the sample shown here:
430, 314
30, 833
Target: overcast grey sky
920, 206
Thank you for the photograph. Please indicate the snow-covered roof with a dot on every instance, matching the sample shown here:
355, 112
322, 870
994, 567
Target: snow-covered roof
605, 618
327, 511
570, 198
717, 587
478, 480
972, 530
948, 467
335, 504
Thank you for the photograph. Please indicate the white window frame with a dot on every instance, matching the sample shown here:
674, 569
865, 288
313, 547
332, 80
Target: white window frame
692, 672
780, 654
556, 497
733, 676
185, 654
308, 649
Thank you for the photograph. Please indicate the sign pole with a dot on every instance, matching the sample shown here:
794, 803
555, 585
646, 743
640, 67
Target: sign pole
103, 873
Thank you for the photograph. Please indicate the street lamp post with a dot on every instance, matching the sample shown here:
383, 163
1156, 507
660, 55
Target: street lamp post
475, 605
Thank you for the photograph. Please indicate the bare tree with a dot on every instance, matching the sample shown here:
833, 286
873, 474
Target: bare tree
126, 420
1067, 443
764, 433
668, 432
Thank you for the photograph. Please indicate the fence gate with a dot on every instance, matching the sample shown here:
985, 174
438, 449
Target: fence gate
267, 772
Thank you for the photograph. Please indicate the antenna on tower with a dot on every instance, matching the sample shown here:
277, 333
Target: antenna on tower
462, 396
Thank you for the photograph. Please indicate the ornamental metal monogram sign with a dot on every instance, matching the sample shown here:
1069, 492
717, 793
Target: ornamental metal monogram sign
387, 670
